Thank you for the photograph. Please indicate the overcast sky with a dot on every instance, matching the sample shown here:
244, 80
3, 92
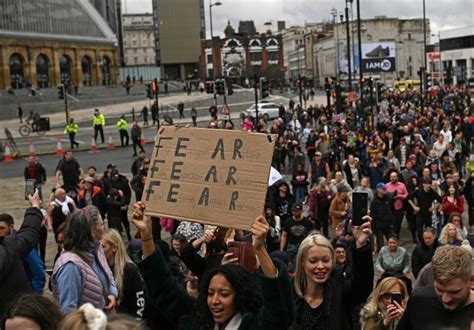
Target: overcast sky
443, 14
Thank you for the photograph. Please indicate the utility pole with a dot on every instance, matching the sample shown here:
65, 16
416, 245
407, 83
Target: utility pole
359, 38
348, 35
157, 106
256, 101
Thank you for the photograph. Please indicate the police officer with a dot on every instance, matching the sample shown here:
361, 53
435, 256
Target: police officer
98, 121
122, 126
71, 129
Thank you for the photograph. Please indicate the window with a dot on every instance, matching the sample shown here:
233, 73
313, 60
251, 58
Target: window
256, 56
272, 56
457, 43
209, 58
409, 36
135, 60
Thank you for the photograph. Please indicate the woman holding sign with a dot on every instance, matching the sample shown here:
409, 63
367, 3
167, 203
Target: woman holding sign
230, 297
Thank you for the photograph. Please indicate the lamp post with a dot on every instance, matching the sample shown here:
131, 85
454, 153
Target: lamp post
217, 4
359, 38
349, 67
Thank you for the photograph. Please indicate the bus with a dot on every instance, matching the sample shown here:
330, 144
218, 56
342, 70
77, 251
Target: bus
403, 85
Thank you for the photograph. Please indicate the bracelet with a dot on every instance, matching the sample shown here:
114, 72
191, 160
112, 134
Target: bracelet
148, 239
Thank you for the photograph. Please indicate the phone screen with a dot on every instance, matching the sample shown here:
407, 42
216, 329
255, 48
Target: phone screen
359, 207
29, 188
397, 297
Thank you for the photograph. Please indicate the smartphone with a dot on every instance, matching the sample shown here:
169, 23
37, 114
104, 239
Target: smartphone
234, 248
359, 207
397, 297
29, 188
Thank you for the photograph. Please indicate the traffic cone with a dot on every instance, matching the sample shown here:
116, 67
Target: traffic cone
142, 140
59, 148
8, 155
110, 146
93, 147
32, 150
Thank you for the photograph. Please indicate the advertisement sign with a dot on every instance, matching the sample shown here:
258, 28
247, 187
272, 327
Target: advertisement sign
378, 57
342, 56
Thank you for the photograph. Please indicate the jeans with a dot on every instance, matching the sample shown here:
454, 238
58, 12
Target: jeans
379, 235
136, 142
292, 250
398, 214
421, 222
300, 193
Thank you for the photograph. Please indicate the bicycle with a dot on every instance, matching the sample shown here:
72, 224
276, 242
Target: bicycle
26, 129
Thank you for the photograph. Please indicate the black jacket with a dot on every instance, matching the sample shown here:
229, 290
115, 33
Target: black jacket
425, 311
342, 293
40, 174
13, 248
381, 212
133, 296
122, 184
422, 255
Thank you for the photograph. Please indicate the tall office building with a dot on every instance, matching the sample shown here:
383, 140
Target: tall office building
179, 25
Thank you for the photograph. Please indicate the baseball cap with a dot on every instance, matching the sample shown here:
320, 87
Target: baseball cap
111, 166
318, 153
381, 185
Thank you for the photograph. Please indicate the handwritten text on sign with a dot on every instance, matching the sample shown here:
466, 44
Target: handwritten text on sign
216, 177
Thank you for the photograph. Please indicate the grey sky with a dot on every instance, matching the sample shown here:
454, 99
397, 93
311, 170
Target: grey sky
443, 14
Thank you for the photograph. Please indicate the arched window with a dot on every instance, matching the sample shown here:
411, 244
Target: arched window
42, 71
17, 76
105, 71
65, 65
86, 65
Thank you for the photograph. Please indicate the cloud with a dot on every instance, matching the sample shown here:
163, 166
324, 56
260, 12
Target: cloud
443, 14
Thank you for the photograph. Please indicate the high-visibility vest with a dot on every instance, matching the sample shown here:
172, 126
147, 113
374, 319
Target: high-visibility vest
98, 120
71, 128
122, 124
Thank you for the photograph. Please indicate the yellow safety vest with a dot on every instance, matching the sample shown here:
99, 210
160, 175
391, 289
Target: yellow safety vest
122, 124
98, 120
71, 128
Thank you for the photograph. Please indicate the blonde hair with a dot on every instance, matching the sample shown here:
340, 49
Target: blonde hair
443, 237
321, 185
450, 262
76, 320
300, 281
121, 257
372, 307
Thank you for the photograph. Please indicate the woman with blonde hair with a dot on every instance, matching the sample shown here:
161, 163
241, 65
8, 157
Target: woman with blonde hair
450, 235
131, 297
325, 300
385, 306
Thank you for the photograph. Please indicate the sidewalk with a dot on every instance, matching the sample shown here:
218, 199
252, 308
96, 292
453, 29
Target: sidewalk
108, 111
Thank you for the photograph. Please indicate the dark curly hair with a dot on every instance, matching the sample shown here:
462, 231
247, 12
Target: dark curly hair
248, 293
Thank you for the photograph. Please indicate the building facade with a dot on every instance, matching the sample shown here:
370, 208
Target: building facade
240, 57
293, 42
138, 40
403, 37
179, 25
44, 46
457, 55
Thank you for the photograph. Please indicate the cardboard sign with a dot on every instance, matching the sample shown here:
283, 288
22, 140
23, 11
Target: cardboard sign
216, 177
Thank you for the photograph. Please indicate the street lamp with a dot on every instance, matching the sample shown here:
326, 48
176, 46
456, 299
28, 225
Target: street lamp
217, 4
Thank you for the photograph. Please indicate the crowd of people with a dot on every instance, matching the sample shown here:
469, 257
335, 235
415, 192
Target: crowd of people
304, 264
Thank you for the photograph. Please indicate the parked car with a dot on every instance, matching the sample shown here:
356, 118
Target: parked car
265, 109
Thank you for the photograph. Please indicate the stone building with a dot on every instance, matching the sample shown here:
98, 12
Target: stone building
404, 37
138, 39
45, 45
240, 57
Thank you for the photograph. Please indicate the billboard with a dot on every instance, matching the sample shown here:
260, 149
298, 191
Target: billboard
342, 56
378, 57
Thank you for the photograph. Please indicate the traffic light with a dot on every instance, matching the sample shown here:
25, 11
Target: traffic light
61, 92
264, 88
220, 87
209, 87
149, 93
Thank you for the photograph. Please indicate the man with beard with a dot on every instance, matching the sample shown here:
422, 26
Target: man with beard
449, 304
